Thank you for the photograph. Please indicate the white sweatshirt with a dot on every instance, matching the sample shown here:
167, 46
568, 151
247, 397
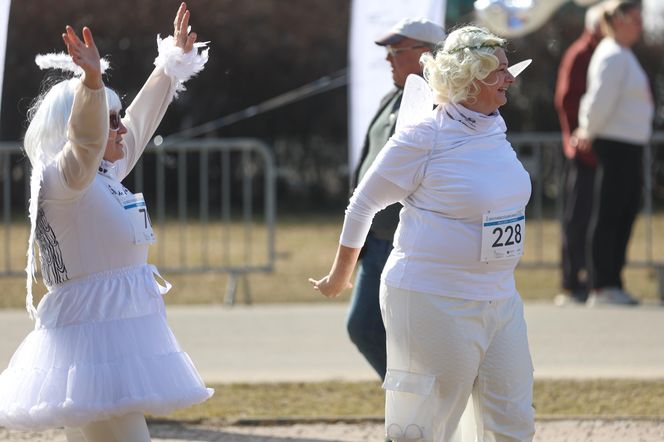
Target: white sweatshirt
448, 171
618, 104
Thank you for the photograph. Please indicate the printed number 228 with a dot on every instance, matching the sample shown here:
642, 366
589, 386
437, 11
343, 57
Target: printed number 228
513, 232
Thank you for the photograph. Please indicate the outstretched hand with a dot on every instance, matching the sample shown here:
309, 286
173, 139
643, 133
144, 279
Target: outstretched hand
329, 288
84, 54
183, 39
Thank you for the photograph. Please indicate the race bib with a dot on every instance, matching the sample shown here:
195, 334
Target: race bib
137, 211
503, 235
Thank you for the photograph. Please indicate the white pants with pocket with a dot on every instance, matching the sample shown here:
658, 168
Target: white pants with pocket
440, 350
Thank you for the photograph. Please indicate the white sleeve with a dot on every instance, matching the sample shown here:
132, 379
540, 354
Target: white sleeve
77, 163
173, 68
396, 172
143, 117
404, 158
372, 195
605, 77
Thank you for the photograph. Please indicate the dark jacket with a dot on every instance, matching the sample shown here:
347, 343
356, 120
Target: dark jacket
386, 221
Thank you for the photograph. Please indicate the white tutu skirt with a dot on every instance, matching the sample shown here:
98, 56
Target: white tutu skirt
101, 348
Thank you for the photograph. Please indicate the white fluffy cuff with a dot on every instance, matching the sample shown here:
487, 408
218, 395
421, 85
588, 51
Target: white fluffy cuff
178, 65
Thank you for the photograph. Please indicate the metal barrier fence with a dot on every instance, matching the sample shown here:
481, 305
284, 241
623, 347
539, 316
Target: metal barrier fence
212, 201
541, 155
208, 217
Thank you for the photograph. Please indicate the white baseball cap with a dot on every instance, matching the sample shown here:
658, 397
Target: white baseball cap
419, 29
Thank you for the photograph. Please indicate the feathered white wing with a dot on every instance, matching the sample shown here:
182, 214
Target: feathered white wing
416, 103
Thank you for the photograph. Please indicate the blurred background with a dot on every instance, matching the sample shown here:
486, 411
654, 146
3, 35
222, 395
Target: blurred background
261, 49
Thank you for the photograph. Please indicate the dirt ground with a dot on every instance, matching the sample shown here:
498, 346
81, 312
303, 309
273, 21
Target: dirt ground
559, 430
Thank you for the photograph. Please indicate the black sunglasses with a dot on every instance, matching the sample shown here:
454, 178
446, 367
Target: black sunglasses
114, 121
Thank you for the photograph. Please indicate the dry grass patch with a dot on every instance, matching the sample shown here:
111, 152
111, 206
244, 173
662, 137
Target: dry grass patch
597, 398
305, 248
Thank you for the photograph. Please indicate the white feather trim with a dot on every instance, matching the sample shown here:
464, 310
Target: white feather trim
64, 62
178, 65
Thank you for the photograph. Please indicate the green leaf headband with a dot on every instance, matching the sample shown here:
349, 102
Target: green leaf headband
476, 47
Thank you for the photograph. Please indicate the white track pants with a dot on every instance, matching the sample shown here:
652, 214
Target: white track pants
442, 349
127, 428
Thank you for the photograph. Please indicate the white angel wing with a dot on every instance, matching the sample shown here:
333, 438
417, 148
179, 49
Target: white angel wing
416, 103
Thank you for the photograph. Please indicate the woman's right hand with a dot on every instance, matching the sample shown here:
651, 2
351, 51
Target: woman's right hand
338, 279
84, 54
329, 287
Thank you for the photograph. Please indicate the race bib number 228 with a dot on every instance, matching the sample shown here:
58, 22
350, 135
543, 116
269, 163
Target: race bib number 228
503, 235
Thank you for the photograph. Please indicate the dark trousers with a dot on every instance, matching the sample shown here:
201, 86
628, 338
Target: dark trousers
617, 197
577, 200
365, 323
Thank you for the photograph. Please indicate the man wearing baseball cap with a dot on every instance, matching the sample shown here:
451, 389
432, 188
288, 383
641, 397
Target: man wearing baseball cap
405, 43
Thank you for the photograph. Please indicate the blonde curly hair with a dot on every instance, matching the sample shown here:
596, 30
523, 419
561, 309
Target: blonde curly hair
466, 56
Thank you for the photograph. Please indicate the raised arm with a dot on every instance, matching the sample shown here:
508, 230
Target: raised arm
88, 124
177, 62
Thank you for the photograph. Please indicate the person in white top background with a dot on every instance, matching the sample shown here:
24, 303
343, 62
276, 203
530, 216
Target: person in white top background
101, 354
615, 122
453, 317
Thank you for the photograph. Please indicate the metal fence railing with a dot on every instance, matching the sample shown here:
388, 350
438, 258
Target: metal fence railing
212, 201
541, 155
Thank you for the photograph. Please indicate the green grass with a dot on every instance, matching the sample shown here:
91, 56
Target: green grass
596, 398
305, 248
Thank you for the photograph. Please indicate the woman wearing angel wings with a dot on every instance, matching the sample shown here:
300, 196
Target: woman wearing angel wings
453, 316
101, 354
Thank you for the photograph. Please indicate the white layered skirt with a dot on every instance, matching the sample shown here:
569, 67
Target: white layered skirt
101, 348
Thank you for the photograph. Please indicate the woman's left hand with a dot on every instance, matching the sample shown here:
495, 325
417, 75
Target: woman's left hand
580, 140
183, 39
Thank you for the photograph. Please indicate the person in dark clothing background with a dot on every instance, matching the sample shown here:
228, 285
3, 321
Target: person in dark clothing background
405, 43
579, 166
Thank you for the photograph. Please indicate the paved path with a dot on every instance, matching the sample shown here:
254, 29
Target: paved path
545, 431
308, 342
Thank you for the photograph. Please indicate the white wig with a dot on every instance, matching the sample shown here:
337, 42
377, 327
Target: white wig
466, 57
49, 120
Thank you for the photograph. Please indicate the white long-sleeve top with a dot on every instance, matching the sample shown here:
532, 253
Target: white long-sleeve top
447, 171
618, 103
82, 228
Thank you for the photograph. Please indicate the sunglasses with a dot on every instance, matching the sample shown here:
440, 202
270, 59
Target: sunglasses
395, 51
114, 121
